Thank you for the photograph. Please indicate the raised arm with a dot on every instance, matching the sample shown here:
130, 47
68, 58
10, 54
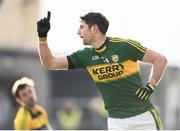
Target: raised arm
48, 60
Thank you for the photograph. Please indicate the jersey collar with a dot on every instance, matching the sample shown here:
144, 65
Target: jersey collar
102, 47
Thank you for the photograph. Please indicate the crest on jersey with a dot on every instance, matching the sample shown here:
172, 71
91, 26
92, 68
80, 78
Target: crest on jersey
115, 58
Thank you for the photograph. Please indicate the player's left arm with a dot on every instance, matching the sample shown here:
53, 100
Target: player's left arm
158, 62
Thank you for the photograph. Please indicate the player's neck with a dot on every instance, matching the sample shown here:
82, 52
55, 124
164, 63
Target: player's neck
99, 41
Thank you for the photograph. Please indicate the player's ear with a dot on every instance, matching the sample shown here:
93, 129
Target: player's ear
19, 101
94, 28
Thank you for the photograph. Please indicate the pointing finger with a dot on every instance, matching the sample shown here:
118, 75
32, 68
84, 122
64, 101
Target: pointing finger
48, 15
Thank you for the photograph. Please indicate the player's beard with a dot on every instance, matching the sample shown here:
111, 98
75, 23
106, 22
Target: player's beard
86, 42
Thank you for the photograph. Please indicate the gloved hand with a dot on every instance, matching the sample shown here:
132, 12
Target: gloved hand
43, 25
144, 92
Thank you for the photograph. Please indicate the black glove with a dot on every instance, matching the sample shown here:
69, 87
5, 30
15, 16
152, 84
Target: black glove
144, 92
43, 25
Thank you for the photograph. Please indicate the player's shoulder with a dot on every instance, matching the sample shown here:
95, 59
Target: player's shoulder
126, 42
116, 39
40, 108
21, 110
20, 113
18, 117
119, 40
84, 51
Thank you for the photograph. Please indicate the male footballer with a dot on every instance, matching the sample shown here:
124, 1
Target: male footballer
113, 65
30, 116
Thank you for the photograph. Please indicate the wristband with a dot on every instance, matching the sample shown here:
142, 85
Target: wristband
42, 40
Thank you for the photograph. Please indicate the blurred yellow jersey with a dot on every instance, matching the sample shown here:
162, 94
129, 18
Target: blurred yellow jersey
26, 120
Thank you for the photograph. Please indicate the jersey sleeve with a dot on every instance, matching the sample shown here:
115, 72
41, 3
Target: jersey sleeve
74, 60
135, 50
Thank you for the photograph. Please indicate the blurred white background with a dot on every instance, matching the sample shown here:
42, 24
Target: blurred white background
154, 23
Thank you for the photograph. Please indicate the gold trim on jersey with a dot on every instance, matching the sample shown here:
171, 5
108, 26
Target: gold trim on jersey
101, 50
157, 118
136, 45
131, 42
113, 71
113, 39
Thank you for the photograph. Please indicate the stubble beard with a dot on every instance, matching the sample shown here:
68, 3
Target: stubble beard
85, 43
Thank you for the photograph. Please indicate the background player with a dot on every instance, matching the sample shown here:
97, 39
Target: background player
112, 63
30, 115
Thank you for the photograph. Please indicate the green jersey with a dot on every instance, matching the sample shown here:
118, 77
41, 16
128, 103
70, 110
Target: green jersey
115, 70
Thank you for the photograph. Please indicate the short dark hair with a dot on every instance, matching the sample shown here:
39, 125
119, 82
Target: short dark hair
19, 88
100, 20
